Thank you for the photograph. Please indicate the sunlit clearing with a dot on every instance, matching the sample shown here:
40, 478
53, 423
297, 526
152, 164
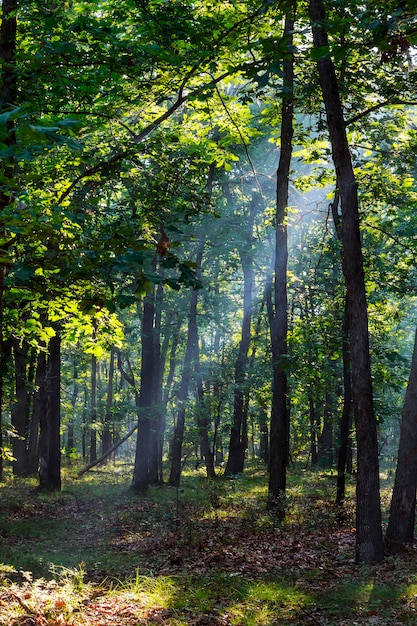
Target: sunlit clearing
150, 591
265, 602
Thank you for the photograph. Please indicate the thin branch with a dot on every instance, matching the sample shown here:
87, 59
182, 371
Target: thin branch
376, 107
129, 378
108, 453
139, 137
93, 114
390, 236
245, 145
181, 98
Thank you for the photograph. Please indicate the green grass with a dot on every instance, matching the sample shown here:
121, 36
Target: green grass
208, 553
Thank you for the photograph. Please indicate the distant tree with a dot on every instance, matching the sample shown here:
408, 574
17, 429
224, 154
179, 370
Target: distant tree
238, 437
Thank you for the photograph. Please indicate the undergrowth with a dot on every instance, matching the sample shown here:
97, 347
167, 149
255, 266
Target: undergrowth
210, 552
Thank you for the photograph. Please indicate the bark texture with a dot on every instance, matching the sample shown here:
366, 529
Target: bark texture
278, 313
400, 529
50, 442
369, 542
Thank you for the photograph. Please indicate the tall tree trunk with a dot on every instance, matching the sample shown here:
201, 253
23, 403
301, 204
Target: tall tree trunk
38, 405
8, 99
326, 436
346, 419
145, 399
238, 440
84, 425
202, 414
106, 439
156, 433
278, 315
50, 441
313, 427
20, 410
369, 542
401, 523
74, 396
93, 410
190, 351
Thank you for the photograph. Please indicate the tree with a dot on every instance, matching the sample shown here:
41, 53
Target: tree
238, 437
400, 531
50, 441
190, 354
369, 542
278, 313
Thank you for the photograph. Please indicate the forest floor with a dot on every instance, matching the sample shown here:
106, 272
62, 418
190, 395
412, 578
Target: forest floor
208, 554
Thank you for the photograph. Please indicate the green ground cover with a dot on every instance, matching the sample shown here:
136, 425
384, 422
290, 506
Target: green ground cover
210, 553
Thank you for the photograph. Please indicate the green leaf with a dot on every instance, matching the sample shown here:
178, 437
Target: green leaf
321, 52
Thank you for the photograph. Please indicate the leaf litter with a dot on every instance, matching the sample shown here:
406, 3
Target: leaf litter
312, 550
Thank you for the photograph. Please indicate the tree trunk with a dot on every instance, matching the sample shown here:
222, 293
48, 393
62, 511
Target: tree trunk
93, 411
326, 436
202, 415
20, 410
346, 419
192, 335
278, 315
8, 99
313, 427
238, 441
38, 405
156, 432
106, 438
369, 542
74, 396
50, 441
401, 523
145, 400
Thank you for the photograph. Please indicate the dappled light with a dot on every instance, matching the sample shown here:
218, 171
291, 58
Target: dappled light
208, 290
150, 560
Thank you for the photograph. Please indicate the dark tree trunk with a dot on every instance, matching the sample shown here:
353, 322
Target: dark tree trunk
263, 433
217, 447
145, 400
50, 441
369, 542
326, 436
20, 410
8, 99
400, 531
202, 419
74, 396
84, 426
344, 459
38, 405
346, 419
106, 439
238, 436
93, 411
313, 428
156, 433
192, 337
278, 316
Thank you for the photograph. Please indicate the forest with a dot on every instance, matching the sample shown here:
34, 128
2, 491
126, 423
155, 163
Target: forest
207, 283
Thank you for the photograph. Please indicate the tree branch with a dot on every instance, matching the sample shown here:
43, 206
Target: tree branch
109, 451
